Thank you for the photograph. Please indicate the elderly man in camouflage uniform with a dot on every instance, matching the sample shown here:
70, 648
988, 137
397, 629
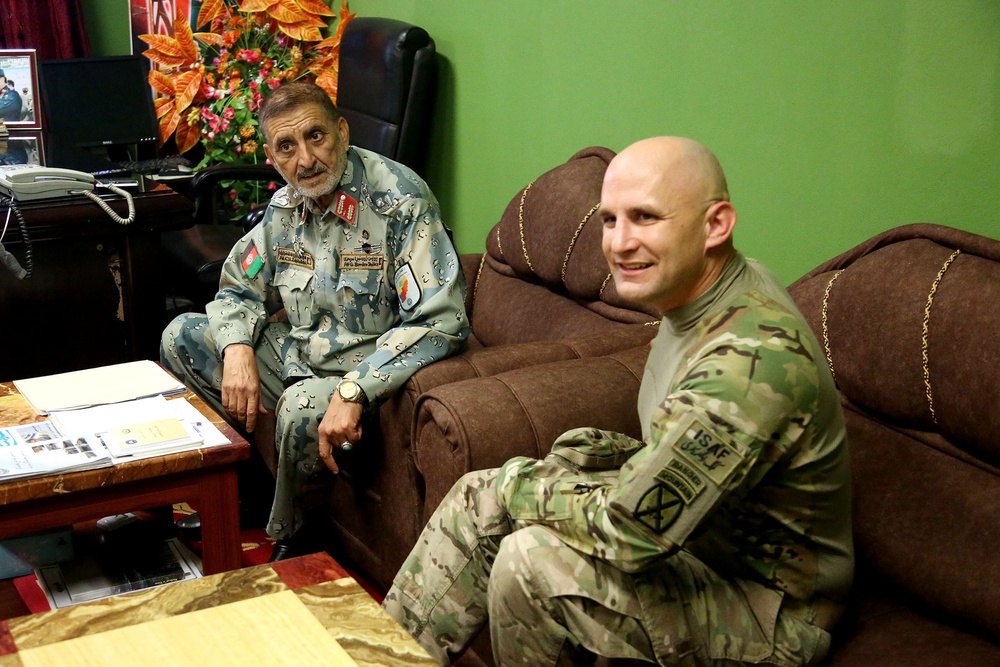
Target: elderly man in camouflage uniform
724, 536
348, 285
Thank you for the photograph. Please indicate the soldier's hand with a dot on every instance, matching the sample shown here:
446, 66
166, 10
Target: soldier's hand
340, 424
241, 385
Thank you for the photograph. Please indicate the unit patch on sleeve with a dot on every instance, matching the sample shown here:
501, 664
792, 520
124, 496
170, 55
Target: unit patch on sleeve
251, 262
658, 508
407, 287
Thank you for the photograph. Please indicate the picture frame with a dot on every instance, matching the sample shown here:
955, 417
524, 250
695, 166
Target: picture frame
20, 106
23, 148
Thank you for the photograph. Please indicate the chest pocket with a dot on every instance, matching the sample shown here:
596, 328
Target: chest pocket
294, 286
362, 310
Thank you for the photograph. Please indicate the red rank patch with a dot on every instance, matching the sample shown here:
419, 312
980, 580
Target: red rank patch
346, 207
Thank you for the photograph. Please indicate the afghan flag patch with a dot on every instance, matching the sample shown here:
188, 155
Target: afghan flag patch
251, 263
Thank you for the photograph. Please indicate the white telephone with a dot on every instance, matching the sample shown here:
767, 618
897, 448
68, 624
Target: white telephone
25, 182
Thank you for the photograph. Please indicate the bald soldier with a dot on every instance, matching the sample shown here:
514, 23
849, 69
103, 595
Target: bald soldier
723, 536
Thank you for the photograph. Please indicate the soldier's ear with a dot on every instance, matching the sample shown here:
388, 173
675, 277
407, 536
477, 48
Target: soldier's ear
720, 219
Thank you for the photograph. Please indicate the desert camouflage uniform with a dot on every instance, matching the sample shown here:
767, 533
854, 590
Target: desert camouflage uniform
373, 291
724, 536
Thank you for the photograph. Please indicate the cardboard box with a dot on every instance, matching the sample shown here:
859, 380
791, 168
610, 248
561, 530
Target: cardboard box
23, 554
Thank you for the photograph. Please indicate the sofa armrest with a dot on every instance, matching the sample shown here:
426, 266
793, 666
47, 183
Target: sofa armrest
483, 422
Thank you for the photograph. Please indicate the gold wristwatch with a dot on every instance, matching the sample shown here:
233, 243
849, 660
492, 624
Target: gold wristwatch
352, 392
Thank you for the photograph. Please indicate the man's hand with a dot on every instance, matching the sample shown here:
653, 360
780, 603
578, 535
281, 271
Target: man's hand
241, 385
341, 423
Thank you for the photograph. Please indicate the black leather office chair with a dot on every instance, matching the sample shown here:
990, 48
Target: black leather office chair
385, 91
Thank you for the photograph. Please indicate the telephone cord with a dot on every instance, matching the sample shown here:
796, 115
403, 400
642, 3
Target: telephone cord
107, 208
8, 260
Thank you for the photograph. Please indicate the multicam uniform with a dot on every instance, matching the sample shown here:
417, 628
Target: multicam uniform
372, 288
723, 536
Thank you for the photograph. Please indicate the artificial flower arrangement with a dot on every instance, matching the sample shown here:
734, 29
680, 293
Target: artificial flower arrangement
211, 84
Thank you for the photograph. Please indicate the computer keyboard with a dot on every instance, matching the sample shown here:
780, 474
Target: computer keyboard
152, 166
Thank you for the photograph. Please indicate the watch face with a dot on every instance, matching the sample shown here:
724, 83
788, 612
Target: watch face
349, 390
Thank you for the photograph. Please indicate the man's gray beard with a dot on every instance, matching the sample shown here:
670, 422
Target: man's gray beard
327, 187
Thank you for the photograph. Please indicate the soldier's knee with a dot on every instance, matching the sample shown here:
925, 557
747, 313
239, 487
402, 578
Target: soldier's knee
187, 342
519, 571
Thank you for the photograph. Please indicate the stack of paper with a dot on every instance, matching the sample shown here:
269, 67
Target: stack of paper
144, 427
98, 386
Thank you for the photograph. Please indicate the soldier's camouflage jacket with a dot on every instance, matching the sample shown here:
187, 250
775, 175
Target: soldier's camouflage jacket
372, 286
743, 462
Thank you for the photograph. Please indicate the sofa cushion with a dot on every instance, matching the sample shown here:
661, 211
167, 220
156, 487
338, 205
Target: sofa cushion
889, 634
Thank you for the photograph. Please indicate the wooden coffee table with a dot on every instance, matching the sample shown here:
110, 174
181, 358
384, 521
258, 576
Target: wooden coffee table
206, 477
342, 608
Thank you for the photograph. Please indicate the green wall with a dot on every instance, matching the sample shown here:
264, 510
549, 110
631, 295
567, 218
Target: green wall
834, 120
108, 26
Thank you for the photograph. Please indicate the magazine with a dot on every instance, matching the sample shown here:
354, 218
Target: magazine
110, 572
33, 450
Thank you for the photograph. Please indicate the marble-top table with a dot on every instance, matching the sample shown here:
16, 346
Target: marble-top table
348, 614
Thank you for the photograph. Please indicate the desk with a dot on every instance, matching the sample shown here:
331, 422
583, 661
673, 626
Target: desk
97, 294
205, 476
368, 634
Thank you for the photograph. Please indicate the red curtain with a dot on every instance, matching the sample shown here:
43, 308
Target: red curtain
54, 28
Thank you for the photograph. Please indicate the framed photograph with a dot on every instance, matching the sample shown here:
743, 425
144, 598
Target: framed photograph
20, 106
22, 148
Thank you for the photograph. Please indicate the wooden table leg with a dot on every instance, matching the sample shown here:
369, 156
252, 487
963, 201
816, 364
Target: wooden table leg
220, 521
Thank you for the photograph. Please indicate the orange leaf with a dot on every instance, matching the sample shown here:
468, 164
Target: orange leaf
256, 5
160, 82
165, 60
329, 43
165, 44
213, 38
286, 11
328, 82
168, 123
187, 85
187, 135
345, 18
301, 31
182, 33
163, 105
315, 7
209, 10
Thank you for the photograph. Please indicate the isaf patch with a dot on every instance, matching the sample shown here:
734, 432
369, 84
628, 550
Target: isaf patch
714, 455
407, 287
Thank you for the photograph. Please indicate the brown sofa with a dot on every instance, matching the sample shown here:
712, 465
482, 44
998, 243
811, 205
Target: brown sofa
910, 328
540, 294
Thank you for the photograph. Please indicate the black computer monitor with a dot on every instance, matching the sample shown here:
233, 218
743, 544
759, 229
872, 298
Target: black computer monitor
98, 110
